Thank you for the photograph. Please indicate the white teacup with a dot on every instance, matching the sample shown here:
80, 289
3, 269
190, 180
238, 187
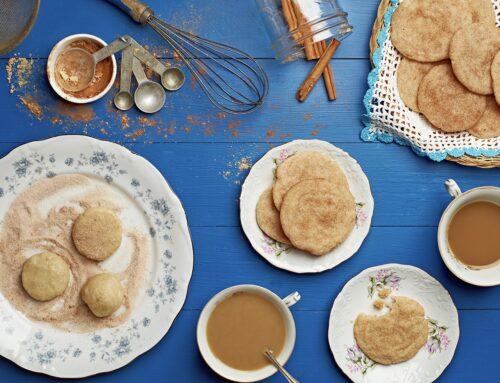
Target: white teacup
479, 277
255, 375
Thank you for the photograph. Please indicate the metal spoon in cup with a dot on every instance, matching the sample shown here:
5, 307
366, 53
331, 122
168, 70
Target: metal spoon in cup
149, 96
84, 63
270, 355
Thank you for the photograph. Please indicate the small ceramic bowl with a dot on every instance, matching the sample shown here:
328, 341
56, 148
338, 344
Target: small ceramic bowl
480, 277
54, 54
255, 375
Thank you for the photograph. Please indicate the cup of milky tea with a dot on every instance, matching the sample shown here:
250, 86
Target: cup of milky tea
239, 324
469, 234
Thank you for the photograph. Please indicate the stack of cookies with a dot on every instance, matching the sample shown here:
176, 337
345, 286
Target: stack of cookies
450, 71
309, 206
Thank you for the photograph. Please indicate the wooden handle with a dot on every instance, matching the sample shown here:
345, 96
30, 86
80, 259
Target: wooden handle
138, 11
317, 71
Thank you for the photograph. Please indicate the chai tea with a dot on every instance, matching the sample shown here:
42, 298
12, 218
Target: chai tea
242, 327
474, 234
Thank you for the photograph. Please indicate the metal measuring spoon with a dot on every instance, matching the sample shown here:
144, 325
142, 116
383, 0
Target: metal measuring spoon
123, 99
84, 63
171, 78
149, 95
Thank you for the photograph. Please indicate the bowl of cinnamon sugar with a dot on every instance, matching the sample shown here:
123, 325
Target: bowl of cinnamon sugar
57, 71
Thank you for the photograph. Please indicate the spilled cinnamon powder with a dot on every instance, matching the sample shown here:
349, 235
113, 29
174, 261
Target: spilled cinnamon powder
32, 105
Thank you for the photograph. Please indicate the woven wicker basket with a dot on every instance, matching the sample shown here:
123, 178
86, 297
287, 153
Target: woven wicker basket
482, 161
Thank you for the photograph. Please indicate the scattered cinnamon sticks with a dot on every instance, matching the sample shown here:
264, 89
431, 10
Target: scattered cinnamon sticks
317, 71
297, 25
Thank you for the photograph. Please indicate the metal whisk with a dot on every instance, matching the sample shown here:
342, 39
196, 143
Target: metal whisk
232, 80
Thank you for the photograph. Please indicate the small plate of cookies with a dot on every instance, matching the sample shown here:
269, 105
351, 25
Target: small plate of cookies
393, 323
306, 206
95, 256
436, 80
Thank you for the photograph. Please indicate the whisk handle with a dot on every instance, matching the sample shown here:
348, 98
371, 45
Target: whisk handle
138, 11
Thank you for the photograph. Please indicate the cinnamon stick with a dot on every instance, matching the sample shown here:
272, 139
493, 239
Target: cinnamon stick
317, 71
327, 74
305, 31
290, 17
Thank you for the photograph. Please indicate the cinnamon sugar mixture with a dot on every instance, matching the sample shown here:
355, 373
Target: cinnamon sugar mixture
102, 76
40, 219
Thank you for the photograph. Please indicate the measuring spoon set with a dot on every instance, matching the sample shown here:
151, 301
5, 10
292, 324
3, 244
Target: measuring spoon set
149, 96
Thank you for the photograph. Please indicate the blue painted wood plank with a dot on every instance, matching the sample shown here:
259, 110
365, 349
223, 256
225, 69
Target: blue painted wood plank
408, 190
233, 22
188, 116
224, 257
176, 357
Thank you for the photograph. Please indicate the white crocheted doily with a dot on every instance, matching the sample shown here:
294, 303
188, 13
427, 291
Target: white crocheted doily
388, 119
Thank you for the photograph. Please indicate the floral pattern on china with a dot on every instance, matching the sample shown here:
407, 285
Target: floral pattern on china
262, 175
41, 348
357, 297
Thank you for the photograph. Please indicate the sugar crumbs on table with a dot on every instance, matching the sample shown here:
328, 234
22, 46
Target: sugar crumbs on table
137, 133
19, 68
32, 105
244, 163
147, 121
221, 115
125, 121
56, 120
193, 120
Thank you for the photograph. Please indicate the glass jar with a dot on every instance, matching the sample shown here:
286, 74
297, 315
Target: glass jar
315, 20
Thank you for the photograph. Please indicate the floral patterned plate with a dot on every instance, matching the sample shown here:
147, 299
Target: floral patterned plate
41, 348
261, 177
357, 297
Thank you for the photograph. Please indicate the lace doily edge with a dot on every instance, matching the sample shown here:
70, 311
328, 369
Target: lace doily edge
372, 133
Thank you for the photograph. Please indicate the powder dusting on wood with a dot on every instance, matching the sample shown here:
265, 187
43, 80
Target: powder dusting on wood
32, 105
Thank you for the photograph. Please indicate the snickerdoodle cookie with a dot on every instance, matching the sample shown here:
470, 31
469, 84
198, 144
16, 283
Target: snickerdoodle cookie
495, 76
45, 276
268, 217
489, 125
410, 74
394, 337
472, 51
304, 166
422, 29
446, 103
97, 233
103, 294
317, 215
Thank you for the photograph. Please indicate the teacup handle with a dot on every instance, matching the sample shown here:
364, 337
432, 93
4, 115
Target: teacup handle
291, 299
452, 188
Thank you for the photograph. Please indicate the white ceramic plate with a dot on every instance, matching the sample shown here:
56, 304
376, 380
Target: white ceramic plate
357, 296
261, 177
41, 348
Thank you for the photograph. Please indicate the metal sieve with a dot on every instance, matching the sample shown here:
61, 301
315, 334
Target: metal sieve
16, 20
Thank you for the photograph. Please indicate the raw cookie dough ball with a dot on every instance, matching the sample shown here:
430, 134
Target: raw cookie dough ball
45, 276
103, 294
97, 233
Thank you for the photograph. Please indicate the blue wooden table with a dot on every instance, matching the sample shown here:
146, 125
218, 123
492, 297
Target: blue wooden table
201, 151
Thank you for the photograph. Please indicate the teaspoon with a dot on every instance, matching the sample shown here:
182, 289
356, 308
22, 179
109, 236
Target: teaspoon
290, 379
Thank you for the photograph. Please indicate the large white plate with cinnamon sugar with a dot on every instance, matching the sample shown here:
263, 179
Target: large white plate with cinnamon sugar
43, 188
358, 296
262, 176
